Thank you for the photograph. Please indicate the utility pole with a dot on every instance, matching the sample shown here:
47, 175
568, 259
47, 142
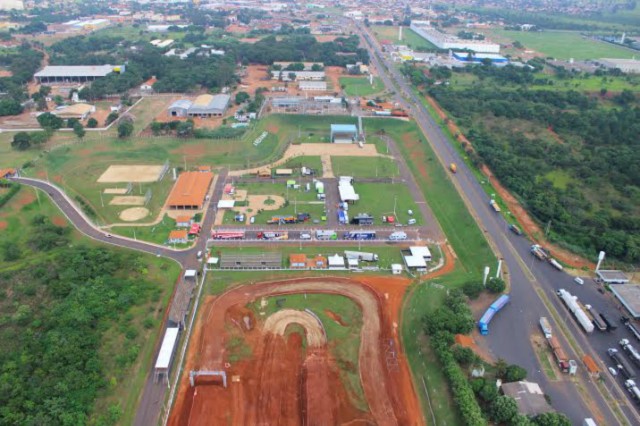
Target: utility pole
546, 231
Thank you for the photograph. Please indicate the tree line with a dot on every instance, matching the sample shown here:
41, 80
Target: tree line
598, 207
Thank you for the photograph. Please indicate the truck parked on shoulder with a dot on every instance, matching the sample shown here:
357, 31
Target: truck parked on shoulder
623, 365
514, 228
555, 264
631, 326
597, 321
631, 351
494, 205
453, 167
539, 252
633, 389
546, 327
495, 307
359, 235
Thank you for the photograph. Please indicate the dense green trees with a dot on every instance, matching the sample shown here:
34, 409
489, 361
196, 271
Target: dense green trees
50, 122
55, 312
597, 207
125, 129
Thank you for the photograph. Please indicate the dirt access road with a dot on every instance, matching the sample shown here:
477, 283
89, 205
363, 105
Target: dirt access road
277, 384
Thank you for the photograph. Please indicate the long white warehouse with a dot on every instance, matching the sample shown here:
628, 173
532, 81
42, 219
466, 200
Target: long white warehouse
448, 41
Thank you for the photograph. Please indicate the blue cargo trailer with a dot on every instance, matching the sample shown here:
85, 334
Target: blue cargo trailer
495, 307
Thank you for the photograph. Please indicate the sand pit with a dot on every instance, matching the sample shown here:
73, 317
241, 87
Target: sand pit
127, 200
115, 191
131, 173
133, 214
283, 382
317, 150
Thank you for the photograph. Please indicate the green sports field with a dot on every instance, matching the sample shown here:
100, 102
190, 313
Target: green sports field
359, 86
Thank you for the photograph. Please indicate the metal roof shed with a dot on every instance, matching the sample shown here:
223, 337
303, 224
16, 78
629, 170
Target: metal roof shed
163, 362
629, 296
336, 262
420, 251
612, 276
226, 204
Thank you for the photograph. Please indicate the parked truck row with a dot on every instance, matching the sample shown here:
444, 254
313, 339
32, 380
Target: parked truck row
565, 364
621, 362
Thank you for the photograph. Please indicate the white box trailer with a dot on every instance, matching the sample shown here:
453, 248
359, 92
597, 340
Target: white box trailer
165, 356
361, 255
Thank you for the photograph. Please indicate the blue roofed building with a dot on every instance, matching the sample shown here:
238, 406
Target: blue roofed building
477, 58
344, 133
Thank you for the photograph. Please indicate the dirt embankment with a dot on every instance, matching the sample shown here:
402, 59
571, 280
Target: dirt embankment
280, 383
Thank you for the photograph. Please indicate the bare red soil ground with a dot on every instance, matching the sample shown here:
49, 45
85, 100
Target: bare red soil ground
3, 225
530, 227
283, 383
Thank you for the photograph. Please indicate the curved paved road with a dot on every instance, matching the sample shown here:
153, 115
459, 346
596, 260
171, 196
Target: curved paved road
509, 334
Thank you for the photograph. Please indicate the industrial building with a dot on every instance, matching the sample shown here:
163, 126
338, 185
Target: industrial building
344, 133
629, 296
75, 73
447, 41
251, 261
478, 58
209, 106
529, 397
190, 190
416, 258
629, 66
203, 106
313, 86
179, 108
299, 75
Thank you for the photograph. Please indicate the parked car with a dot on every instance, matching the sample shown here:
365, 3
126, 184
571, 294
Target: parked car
578, 280
613, 371
305, 236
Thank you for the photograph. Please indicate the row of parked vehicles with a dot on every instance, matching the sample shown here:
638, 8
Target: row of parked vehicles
321, 235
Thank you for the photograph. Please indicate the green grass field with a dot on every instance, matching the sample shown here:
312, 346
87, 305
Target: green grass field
158, 233
359, 86
364, 167
312, 162
409, 37
564, 44
461, 230
378, 199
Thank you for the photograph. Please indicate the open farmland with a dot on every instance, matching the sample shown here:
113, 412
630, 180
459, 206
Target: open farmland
409, 37
564, 44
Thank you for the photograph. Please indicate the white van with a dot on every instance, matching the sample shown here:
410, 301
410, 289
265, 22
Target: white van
305, 236
398, 236
578, 280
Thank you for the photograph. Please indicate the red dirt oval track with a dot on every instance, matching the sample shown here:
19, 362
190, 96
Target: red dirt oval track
282, 384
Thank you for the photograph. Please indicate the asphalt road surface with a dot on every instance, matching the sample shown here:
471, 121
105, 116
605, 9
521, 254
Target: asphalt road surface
512, 327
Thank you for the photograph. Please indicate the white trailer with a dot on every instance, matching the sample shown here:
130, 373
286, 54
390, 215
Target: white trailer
573, 305
555, 264
361, 255
546, 327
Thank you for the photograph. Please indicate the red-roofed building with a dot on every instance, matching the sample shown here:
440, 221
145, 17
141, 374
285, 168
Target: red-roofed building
147, 86
7, 173
178, 237
183, 221
195, 229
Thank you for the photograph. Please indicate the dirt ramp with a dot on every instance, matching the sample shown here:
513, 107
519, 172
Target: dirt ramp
278, 323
